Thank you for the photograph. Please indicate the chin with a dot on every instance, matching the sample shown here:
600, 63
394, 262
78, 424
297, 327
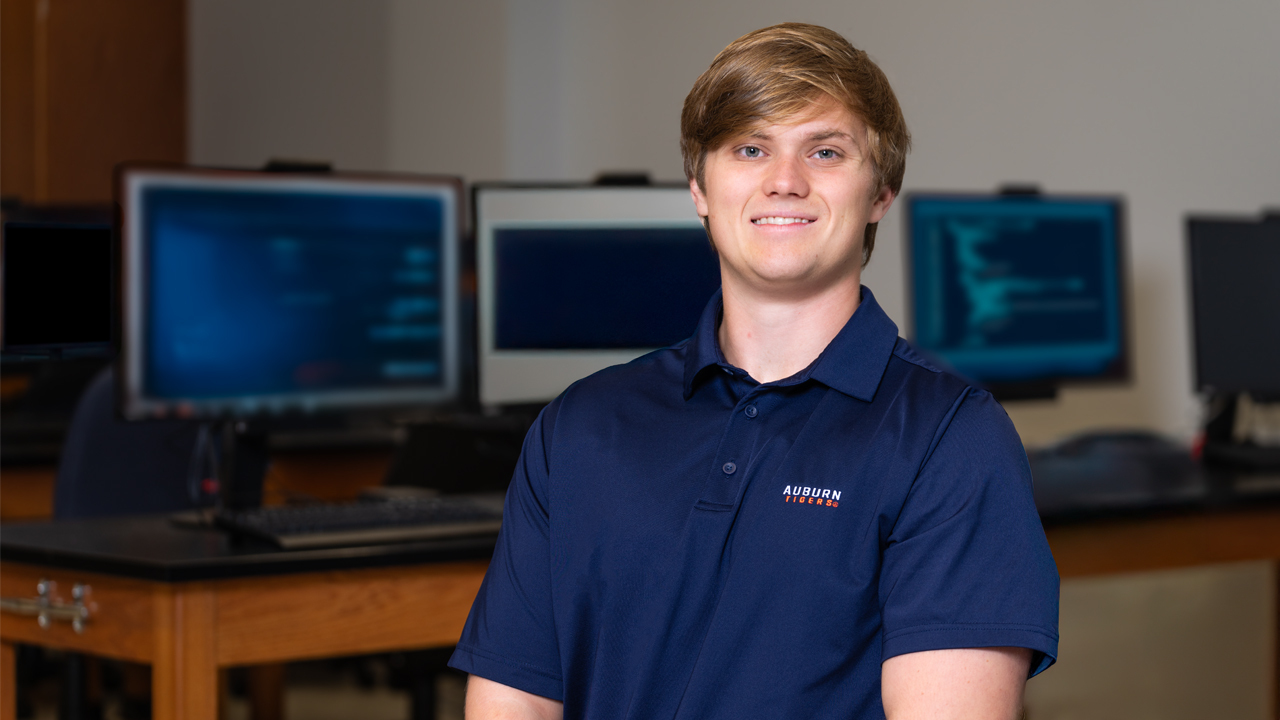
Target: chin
783, 281
796, 280
783, 270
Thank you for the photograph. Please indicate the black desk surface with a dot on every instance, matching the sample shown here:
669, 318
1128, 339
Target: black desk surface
1103, 494
153, 548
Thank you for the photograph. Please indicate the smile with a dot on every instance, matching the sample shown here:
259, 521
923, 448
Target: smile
780, 221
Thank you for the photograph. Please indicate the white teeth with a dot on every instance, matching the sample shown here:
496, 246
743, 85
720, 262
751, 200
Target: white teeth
780, 221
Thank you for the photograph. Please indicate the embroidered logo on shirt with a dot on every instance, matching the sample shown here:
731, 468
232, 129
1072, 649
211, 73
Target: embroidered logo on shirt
812, 496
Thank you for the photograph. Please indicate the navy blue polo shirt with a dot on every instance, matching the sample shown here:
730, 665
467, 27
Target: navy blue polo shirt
681, 541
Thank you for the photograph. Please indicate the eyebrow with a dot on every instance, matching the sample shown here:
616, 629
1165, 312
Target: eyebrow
818, 136
828, 134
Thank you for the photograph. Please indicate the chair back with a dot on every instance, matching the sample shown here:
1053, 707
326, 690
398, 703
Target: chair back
110, 466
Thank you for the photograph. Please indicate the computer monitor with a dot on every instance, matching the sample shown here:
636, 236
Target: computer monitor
1235, 304
258, 295
571, 280
58, 299
1019, 292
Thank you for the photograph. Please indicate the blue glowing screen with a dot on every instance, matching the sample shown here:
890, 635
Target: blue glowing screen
289, 293
1018, 289
600, 288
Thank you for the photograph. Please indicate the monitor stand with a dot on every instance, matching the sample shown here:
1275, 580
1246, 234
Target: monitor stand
243, 467
1224, 449
238, 460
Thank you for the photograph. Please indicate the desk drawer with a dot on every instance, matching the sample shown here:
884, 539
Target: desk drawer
252, 620
121, 618
312, 615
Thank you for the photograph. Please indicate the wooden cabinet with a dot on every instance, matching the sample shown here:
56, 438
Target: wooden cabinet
188, 631
87, 84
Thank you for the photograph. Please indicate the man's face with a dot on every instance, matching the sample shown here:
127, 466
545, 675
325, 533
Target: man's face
788, 203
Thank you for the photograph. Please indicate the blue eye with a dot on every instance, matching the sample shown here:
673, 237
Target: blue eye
826, 154
751, 151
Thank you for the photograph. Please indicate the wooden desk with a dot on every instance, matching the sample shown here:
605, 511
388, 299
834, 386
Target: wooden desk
188, 602
1138, 543
1170, 540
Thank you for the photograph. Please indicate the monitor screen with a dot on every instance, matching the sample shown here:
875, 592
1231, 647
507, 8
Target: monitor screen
574, 279
255, 294
57, 285
1235, 298
1018, 289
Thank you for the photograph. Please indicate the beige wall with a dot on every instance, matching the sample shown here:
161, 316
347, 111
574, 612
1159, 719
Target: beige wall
447, 88
1175, 105
1174, 645
297, 79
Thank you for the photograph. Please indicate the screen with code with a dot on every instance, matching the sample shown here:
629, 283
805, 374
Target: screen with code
1017, 289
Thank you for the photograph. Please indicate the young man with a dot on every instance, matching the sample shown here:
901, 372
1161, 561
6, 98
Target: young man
790, 514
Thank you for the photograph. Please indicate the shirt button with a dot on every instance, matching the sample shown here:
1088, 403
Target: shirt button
729, 468
751, 411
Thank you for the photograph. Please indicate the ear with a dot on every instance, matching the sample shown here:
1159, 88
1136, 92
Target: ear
880, 204
699, 199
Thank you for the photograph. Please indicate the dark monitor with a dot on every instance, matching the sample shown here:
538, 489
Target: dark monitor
256, 294
573, 279
58, 299
1020, 293
1235, 304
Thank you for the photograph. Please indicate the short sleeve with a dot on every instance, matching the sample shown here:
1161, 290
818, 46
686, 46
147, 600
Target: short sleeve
510, 634
966, 564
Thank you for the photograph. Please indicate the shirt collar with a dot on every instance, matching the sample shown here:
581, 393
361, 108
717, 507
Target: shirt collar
703, 350
852, 363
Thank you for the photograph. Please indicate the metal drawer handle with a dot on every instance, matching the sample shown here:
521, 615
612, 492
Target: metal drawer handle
46, 609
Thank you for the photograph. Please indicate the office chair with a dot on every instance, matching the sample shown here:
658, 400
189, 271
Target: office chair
113, 467
110, 466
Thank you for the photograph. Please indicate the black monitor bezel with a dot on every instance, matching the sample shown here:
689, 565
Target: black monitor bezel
1193, 280
1120, 371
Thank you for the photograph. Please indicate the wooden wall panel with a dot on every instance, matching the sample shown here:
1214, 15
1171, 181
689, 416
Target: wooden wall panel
116, 91
26, 492
8, 686
17, 93
89, 84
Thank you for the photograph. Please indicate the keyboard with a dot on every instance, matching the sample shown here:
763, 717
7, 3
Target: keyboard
1114, 470
367, 522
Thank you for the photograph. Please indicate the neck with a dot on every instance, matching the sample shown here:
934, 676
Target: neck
775, 338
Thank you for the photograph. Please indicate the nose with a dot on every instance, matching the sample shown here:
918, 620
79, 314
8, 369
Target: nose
787, 176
